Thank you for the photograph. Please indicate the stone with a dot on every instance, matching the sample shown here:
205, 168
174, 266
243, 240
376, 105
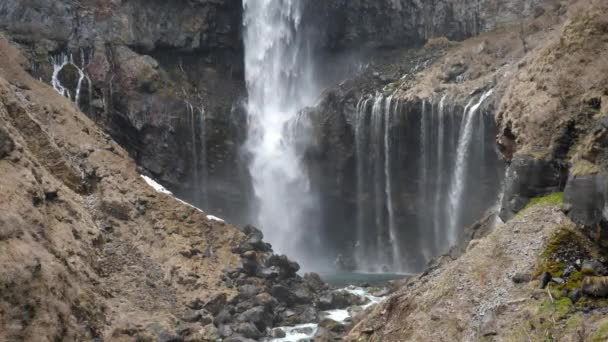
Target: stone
247, 330
215, 304
545, 278
528, 178
277, 333
339, 300
314, 281
210, 333
248, 291
593, 267
225, 330
224, 316
559, 281
259, 316
596, 286
586, 197
283, 294
238, 338
287, 268
575, 295
521, 278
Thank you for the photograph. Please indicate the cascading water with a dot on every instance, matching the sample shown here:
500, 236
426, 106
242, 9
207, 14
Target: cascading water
414, 154
198, 141
279, 72
60, 63
459, 178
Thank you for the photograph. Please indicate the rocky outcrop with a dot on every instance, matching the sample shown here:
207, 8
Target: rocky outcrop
89, 250
528, 178
165, 79
398, 23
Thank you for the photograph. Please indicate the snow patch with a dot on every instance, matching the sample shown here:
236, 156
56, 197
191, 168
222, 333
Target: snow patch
215, 218
159, 188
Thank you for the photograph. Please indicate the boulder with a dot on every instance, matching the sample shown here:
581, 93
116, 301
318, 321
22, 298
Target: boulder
259, 316
287, 268
521, 278
528, 178
248, 330
216, 303
339, 300
596, 286
586, 198
545, 278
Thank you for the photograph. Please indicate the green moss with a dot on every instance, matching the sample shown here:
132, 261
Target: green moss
601, 334
546, 201
574, 321
558, 309
583, 167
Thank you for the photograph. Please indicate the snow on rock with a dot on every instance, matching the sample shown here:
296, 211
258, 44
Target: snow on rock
156, 186
159, 188
214, 218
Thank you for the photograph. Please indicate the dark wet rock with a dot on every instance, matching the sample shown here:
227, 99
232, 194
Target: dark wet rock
283, 294
593, 267
266, 300
586, 197
568, 271
259, 316
238, 338
277, 333
287, 268
575, 295
223, 317
250, 263
248, 291
528, 178
521, 278
248, 330
596, 286
225, 330
216, 303
545, 278
314, 281
339, 300
333, 326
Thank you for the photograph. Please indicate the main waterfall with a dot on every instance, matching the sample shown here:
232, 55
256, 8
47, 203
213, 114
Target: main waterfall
279, 71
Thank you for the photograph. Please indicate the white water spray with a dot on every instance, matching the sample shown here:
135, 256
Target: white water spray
279, 73
59, 63
459, 178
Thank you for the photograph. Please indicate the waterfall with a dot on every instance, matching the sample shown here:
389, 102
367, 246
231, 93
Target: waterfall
458, 179
59, 63
438, 203
394, 240
378, 245
407, 159
279, 73
196, 121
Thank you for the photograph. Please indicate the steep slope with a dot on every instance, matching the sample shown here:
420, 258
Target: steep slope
88, 249
549, 81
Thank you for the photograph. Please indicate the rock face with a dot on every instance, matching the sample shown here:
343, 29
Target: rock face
165, 79
398, 23
528, 178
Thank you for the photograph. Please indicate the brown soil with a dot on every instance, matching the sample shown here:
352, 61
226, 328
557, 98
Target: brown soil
87, 248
